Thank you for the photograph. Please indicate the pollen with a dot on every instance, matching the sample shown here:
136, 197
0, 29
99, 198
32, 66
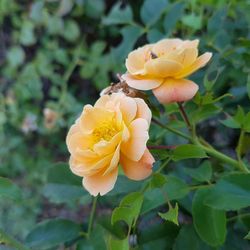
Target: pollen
106, 131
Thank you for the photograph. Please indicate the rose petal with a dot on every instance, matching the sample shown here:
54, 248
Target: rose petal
93, 117
78, 140
199, 63
186, 57
138, 170
140, 83
114, 161
161, 67
175, 90
136, 60
136, 144
89, 166
165, 46
101, 102
128, 108
100, 183
107, 147
143, 110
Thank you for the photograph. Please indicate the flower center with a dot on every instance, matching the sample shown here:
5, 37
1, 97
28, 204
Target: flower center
105, 131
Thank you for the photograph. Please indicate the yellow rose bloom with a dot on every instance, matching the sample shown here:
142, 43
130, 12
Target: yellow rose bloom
113, 131
163, 66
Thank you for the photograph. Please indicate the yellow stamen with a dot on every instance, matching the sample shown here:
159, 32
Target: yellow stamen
105, 131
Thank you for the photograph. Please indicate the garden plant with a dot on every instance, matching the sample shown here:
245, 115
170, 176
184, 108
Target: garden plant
124, 125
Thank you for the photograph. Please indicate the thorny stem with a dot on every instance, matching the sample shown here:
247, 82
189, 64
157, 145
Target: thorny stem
92, 213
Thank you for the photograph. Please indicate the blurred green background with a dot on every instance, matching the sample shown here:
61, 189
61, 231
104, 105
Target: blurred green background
56, 56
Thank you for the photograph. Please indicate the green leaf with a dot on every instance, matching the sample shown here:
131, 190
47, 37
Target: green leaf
155, 35
205, 112
130, 35
157, 232
36, 11
27, 36
174, 14
119, 15
174, 189
63, 193
188, 237
96, 240
246, 125
151, 11
239, 120
15, 56
171, 214
60, 173
202, 173
94, 8
9, 190
63, 186
157, 180
188, 151
192, 21
51, 233
124, 186
118, 230
10, 241
71, 31
240, 115
230, 123
247, 237
210, 223
248, 86
129, 208
115, 244
65, 7
55, 25
211, 76
232, 192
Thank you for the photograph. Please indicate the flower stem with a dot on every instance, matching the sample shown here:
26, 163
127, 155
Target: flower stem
239, 216
164, 164
92, 213
175, 131
184, 116
239, 151
199, 186
224, 158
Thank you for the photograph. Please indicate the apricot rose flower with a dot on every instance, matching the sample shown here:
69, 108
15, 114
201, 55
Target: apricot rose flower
114, 130
163, 67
